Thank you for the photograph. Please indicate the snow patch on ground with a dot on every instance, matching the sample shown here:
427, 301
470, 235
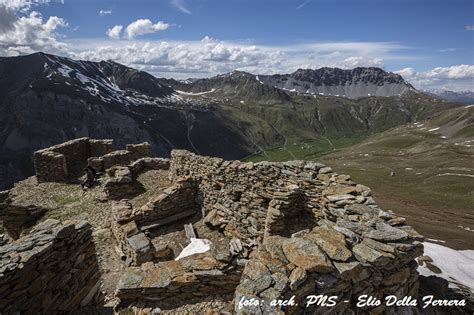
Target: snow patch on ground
196, 246
200, 93
455, 174
456, 265
466, 228
434, 129
435, 241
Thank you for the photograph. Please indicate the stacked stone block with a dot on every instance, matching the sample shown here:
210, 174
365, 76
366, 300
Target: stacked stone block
348, 246
52, 270
175, 203
66, 161
16, 217
139, 150
145, 164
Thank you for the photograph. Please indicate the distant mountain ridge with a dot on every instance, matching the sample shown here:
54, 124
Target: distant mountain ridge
354, 83
47, 99
456, 96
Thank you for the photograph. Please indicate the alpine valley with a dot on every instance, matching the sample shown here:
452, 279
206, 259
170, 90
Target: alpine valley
364, 122
47, 99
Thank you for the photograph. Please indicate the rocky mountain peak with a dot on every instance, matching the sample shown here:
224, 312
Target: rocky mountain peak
352, 83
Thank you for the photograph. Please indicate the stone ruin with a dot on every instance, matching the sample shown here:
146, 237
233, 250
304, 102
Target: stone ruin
275, 230
225, 230
52, 270
66, 161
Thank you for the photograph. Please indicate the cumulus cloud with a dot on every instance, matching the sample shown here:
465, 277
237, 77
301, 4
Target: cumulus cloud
353, 62
16, 5
144, 26
469, 27
406, 72
453, 72
207, 57
457, 78
181, 6
105, 12
23, 32
114, 32
181, 59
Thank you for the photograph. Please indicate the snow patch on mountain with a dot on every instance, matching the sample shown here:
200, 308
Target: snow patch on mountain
355, 83
198, 93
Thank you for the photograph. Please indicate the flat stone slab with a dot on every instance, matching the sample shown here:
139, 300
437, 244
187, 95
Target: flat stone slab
139, 243
335, 198
386, 233
331, 242
307, 255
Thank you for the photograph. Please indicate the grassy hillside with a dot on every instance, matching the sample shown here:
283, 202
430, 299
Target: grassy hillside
433, 161
433, 184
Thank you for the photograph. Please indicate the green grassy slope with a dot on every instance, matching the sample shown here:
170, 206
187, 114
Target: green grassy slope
433, 160
433, 163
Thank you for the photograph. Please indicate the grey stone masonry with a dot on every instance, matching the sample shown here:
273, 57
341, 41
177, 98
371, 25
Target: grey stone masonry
51, 270
66, 161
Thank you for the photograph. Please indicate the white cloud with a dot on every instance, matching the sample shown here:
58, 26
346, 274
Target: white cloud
406, 72
144, 26
353, 62
303, 4
181, 6
453, 72
457, 78
207, 57
105, 12
114, 32
16, 5
469, 27
445, 50
23, 32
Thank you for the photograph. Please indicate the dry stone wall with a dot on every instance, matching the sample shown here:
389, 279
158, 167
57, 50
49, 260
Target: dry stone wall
66, 161
138, 151
177, 282
237, 197
16, 217
145, 164
307, 231
123, 182
128, 225
51, 270
178, 200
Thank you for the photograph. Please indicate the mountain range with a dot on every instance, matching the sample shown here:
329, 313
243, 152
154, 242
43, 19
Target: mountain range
47, 99
466, 97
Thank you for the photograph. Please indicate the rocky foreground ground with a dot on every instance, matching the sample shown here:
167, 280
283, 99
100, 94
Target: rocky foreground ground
203, 235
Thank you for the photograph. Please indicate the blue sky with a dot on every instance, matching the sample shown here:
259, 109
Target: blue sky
429, 42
